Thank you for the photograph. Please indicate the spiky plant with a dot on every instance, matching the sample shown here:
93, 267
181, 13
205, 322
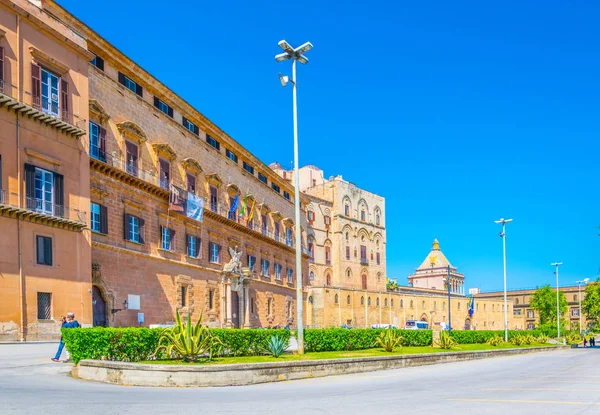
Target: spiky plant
188, 341
518, 340
389, 340
542, 339
276, 345
495, 341
446, 341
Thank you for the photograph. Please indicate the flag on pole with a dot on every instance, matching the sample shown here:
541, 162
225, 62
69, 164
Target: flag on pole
472, 306
251, 214
234, 204
243, 211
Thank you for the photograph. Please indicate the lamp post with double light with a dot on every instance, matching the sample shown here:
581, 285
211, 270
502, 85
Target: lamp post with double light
503, 236
296, 54
556, 265
584, 282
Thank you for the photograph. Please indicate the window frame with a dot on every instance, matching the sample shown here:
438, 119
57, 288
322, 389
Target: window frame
46, 250
213, 142
214, 249
249, 168
231, 156
187, 124
130, 84
163, 107
133, 229
93, 214
263, 179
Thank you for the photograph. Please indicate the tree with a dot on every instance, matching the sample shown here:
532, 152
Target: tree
591, 303
392, 285
544, 301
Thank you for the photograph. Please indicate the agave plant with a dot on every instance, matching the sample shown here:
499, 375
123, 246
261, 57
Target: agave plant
276, 345
389, 340
495, 341
542, 339
518, 340
188, 341
573, 338
446, 341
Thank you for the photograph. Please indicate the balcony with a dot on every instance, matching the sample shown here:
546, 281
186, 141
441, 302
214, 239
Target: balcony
31, 107
39, 211
364, 261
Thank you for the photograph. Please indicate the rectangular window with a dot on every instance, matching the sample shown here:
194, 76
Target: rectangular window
95, 217
262, 177
327, 220
97, 142
249, 168
131, 158
328, 255
290, 275
231, 155
288, 237
214, 143
215, 253
363, 253
251, 262
311, 250
158, 103
133, 225
191, 183
286, 195
362, 215
167, 237
213, 199
211, 299
311, 216
183, 295
530, 314
98, 62
263, 219
165, 173
44, 191
347, 210
190, 126
265, 268
347, 252
44, 306
275, 187
378, 258
278, 272
276, 231
193, 246
130, 84
44, 250
50, 92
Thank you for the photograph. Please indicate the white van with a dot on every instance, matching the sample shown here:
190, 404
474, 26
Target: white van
416, 325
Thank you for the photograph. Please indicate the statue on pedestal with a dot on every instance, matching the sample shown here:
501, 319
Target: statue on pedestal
234, 265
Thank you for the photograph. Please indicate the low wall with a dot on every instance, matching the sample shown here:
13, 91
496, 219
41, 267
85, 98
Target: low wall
138, 374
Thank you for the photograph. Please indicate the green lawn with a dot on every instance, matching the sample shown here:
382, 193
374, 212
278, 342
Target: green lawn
339, 355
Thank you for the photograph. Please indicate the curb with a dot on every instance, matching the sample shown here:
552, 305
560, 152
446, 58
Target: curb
138, 374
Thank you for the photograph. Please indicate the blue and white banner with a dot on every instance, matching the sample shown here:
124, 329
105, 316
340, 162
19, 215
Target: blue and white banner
195, 207
186, 203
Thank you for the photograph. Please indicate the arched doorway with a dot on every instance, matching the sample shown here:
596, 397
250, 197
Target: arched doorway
424, 318
364, 282
98, 307
468, 324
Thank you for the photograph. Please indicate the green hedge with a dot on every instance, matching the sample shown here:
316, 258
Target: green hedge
138, 343
482, 336
337, 339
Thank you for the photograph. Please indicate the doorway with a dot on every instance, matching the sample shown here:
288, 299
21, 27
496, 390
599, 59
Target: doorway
98, 307
235, 309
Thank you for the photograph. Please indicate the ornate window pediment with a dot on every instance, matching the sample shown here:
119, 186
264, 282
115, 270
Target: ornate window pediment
98, 111
53, 64
192, 165
288, 221
233, 189
276, 215
214, 179
132, 131
164, 150
264, 208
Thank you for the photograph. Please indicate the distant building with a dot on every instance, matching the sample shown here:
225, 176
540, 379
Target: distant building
433, 273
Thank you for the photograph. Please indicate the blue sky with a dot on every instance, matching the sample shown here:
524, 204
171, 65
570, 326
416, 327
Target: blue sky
457, 113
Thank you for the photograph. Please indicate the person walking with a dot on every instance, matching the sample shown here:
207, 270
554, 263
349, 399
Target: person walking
68, 323
584, 342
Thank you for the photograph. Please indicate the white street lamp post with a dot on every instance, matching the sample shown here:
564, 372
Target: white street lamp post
555, 265
584, 281
296, 55
503, 236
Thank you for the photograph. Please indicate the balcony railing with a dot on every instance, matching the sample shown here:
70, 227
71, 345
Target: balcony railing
114, 159
42, 207
364, 261
40, 109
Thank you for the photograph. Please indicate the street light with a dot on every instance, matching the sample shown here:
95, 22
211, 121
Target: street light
555, 265
449, 308
503, 236
584, 281
296, 55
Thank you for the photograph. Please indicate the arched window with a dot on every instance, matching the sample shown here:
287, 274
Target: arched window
385, 302
337, 299
362, 300
401, 303
423, 304
369, 301
347, 236
348, 300
377, 301
434, 305
378, 274
348, 273
328, 279
363, 215
311, 275
310, 299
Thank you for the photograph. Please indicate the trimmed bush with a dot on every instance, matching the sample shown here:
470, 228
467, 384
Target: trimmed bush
133, 344
337, 339
482, 336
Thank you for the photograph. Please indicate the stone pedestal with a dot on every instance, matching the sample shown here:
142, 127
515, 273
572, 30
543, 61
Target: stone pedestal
238, 283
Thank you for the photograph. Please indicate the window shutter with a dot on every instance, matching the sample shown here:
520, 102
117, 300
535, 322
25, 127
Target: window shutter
172, 239
125, 226
196, 130
64, 102
156, 102
121, 78
102, 142
47, 251
198, 243
36, 86
103, 219
1, 69
30, 185
170, 112
187, 243
59, 193
142, 229
138, 90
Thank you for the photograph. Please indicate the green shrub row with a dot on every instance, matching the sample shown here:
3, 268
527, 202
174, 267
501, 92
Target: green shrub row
337, 339
138, 343
482, 336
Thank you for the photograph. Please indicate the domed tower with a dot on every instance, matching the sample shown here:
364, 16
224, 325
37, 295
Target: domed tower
433, 272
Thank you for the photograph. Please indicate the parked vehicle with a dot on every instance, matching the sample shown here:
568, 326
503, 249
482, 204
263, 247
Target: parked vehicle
416, 325
383, 326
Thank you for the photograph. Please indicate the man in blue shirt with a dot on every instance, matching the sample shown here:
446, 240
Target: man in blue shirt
68, 323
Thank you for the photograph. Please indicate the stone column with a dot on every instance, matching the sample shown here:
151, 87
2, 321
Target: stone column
222, 304
229, 322
247, 308
241, 307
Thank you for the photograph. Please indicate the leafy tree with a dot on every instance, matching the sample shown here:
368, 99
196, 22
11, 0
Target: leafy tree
591, 303
544, 301
392, 285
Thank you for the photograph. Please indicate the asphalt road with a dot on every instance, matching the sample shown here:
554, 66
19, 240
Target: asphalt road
558, 382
